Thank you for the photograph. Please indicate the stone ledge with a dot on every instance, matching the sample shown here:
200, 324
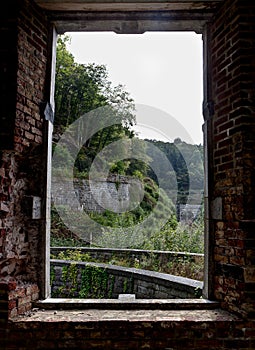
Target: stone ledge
141, 304
92, 315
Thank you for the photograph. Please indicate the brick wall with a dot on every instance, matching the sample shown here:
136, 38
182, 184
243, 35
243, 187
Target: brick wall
32, 60
21, 162
137, 329
233, 71
16, 299
8, 65
233, 180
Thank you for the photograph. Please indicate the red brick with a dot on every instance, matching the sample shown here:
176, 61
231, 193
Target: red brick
29, 136
12, 304
36, 131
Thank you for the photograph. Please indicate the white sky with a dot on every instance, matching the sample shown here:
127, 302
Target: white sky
162, 70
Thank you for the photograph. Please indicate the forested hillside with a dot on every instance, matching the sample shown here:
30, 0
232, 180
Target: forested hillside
81, 88
187, 167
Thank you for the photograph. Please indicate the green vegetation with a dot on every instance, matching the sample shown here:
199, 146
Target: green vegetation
95, 281
179, 238
173, 236
61, 236
75, 255
180, 266
187, 168
82, 88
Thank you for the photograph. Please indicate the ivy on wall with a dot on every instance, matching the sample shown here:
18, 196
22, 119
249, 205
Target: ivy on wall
87, 282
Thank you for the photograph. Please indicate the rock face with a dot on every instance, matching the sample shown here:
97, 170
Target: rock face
99, 195
113, 194
188, 212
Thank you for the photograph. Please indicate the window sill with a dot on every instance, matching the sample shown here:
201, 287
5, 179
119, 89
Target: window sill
117, 304
103, 316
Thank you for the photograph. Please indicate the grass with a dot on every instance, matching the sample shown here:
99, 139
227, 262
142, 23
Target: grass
179, 266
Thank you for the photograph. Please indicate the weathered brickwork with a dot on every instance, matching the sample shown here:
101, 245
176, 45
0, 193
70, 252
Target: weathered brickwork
133, 329
23, 85
21, 170
16, 299
32, 59
233, 71
8, 63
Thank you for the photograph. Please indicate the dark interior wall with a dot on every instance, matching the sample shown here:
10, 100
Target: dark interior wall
233, 161
8, 65
22, 158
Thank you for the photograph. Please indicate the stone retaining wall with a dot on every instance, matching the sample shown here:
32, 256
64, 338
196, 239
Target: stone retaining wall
95, 195
93, 280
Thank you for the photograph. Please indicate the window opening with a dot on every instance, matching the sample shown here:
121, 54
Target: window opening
127, 164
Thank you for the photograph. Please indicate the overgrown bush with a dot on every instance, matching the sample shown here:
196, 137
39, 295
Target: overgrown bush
60, 235
182, 238
184, 266
72, 254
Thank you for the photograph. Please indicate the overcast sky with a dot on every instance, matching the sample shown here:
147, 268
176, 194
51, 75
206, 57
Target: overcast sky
161, 70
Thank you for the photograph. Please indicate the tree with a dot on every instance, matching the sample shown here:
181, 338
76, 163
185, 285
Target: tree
81, 88
77, 87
